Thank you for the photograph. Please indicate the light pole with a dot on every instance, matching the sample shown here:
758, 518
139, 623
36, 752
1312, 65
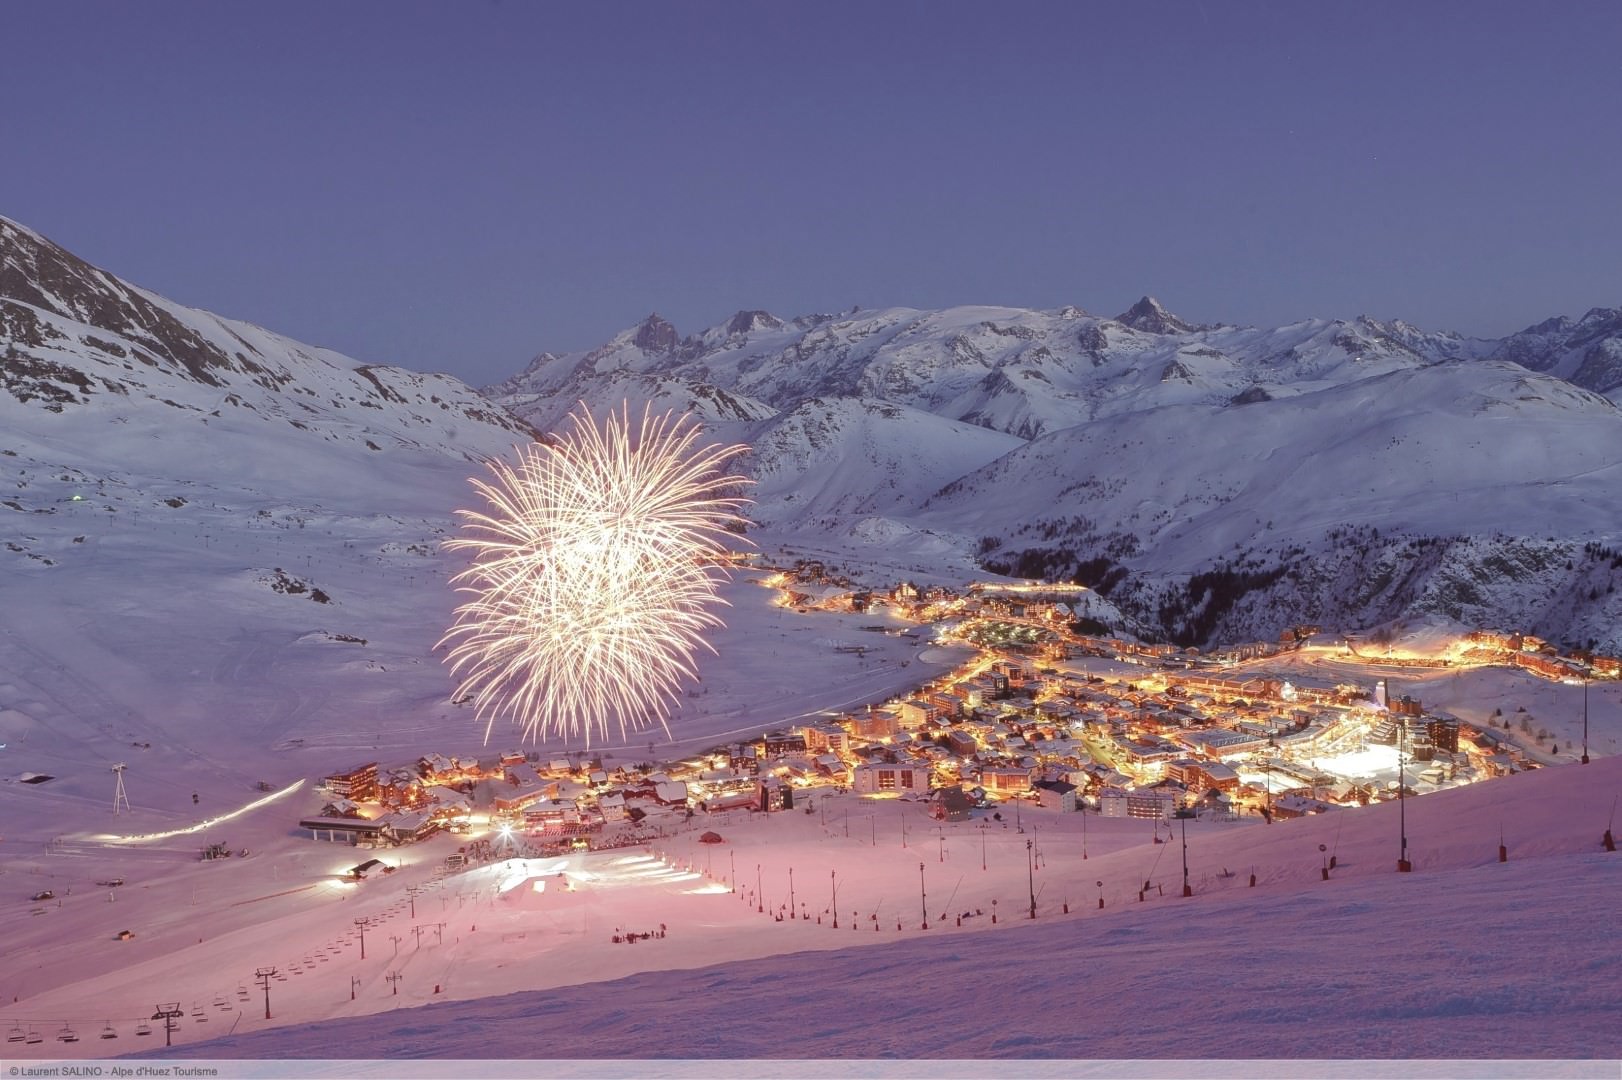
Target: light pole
760, 892
732, 860
1184, 815
394, 978
1585, 718
791, 908
834, 877
1403, 865
412, 891
923, 898
362, 923
1030, 874
982, 845
1267, 764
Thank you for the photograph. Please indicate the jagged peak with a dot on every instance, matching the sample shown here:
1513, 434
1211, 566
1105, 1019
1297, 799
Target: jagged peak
745, 322
1558, 324
1151, 317
655, 334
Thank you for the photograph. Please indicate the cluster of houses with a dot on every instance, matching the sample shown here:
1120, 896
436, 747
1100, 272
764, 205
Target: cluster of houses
562, 798
1539, 656
1002, 727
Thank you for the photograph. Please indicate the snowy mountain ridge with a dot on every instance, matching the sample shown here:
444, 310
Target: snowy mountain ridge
1214, 481
1152, 453
75, 339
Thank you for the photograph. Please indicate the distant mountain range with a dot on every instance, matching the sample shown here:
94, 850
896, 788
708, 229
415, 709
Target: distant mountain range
1211, 482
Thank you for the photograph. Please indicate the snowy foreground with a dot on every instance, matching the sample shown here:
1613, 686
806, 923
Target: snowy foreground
1464, 958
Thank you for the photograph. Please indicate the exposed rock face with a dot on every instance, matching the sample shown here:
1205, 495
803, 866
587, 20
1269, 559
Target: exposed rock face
71, 333
1148, 316
746, 322
655, 335
1587, 351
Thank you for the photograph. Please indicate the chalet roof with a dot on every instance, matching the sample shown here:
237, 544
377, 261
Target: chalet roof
343, 824
408, 822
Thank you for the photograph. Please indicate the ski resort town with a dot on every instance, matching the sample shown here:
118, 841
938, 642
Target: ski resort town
1042, 713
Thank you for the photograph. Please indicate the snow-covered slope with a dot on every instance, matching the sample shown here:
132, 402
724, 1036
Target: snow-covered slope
1465, 958
825, 463
1483, 460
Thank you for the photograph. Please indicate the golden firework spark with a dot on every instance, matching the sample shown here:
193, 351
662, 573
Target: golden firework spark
594, 575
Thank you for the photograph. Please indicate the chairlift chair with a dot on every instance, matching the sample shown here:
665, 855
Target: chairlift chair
34, 1038
143, 1028
67, 1034
109, 1032
16, 1034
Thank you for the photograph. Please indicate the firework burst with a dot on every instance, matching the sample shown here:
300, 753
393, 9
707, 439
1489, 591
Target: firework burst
594, 575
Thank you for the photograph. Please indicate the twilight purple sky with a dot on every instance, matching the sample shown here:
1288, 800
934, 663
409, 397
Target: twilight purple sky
456, 186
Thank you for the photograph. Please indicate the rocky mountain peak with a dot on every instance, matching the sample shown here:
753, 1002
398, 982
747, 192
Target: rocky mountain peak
1150, 317
656, 335
745, 322
42, 275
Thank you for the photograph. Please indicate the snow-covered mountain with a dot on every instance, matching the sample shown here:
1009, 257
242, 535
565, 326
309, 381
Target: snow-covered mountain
210, 533
1336, 471
78, 342
1215, 481
192, 506
1587, 351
